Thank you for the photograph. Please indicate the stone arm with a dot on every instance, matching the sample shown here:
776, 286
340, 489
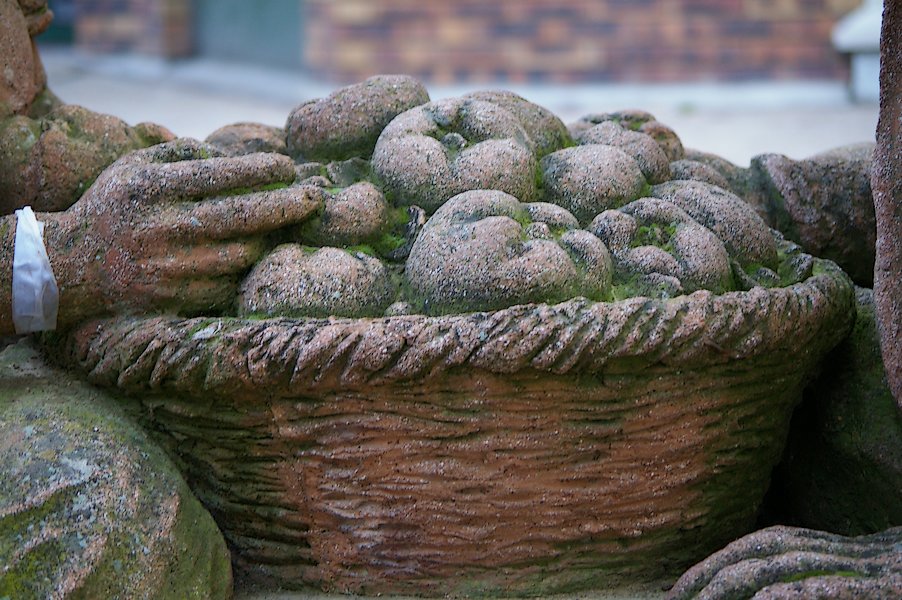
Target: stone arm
167, 229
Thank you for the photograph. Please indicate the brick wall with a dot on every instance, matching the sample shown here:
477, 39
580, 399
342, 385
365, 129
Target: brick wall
574, 40
156, 27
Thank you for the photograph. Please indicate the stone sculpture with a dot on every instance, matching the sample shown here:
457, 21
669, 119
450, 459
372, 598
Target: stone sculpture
428, 347
90, 506
842, 470
789, 562
50, 153
490, 360
887, 182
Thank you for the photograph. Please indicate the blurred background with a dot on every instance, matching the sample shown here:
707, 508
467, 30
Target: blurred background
734, 77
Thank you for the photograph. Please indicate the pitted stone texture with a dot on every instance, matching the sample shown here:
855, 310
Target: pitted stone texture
441, 149
171, 228
530, 450
587, 180
842, 470
473, 254
294, 281
89, 506
631, 119
23, 78
345, 173
686, 169
552, 215
666, 138
745, 235
652, 236
354, 215
651, 159
50, 162
823, 203
247, 138
348, 122
738, 177
546, 132
887, 185
788, 562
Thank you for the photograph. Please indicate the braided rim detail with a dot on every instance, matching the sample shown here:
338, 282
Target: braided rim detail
294, 357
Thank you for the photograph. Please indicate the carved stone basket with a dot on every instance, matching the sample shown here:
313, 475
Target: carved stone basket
530, 450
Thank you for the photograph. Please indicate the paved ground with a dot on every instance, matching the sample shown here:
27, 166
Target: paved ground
737, 121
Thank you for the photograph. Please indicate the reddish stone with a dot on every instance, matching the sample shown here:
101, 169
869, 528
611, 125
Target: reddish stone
887, 185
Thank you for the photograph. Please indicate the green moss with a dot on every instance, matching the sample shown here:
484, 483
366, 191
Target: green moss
817, 573
242, 191
398, 217
361, 248
388, 242
752, 268
539, 179
24, 134
69, 417
83, 186
655, 235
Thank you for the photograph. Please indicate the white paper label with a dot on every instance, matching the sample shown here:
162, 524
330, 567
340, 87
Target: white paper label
35, 294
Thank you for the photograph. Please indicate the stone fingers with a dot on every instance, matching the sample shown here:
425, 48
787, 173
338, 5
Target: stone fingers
238, 216
188, 170
209, 260
198, 296
177, 150
211, 177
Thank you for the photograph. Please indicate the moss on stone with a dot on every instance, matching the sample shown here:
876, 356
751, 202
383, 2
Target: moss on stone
817, 573
56, 422
243, 191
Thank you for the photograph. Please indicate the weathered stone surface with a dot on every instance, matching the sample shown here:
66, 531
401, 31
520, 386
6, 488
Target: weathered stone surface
345, 173
441, 149
475, 253
651, 159
842, 471
745, 235
587, 180
887, 187
823, 203
736, 176
527, 450
348, 122
23, 77
357, 214
666, 138
158, 250
655, 237
631, 119
546, 132
49, 163
786, 562
247, 138
551, 214
698, 171
298, 281
89, 506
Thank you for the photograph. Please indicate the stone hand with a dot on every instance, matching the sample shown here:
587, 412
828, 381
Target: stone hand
169, 228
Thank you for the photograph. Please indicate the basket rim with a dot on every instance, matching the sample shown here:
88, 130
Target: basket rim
299, 355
